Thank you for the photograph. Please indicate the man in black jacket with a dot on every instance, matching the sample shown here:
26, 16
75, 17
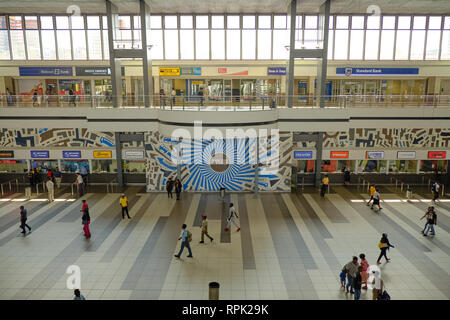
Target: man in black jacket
23, 220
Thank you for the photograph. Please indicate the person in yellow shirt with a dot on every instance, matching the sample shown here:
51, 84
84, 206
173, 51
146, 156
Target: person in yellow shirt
372, 192
205, 229
325, 182
124, 205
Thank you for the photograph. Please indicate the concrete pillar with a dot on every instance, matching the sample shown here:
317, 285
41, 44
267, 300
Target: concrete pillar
146, 59
318, 163
324, 20
112, 15
119, 159
292, 10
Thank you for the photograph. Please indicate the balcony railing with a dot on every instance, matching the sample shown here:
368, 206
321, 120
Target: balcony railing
223, 103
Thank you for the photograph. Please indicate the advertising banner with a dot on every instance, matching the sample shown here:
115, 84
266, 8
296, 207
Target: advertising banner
102, 154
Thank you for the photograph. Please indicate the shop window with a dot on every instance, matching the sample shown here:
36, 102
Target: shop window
337, 166
13, 166
44, 165
431, 165
375, 166
403, 166
134, 166
103, 166
74, 165
305, 166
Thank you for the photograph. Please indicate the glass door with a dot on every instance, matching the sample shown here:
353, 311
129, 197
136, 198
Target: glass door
216, 89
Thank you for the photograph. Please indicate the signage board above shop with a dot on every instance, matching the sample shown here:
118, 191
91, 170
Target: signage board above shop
303, 154
191, 71
374, 154
406, 155
276, 71
376, 71
6, 154
40, 154
437, 154
107, 154
71, 154
45, 71
93, 71
339, 154
133, 154
169, 71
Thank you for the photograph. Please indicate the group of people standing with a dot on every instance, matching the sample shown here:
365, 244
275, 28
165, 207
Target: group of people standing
357, 274
170, 184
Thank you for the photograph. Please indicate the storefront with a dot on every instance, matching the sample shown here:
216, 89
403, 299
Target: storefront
40, 159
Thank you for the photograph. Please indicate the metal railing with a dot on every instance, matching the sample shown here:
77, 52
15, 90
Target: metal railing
222, 102
10, 183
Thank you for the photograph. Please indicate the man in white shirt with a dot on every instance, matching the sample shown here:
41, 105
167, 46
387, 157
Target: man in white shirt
232, 218
435, 190
173, 94
79, 182
51, 191
376, 199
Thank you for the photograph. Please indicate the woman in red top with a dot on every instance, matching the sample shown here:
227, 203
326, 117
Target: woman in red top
364, 273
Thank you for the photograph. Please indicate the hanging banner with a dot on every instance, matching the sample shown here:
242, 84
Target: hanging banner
165, 71
102, 154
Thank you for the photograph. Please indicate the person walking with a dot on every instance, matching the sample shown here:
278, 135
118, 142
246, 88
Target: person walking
58, 177
435, 191
427, 215
364, 274
124, 205
201, 94
347, 176
23, 220
324, 187
31, 177
173, 94
86, 219
35, 95
162, 98
376, 200
84, 174
79, 183
78, 295
384, 245
232, 218
178, 188
372, 192
50, 174
72, 98
186, 238
50, 189
432, 221
357, 281
169, 188
205, 229
352, 269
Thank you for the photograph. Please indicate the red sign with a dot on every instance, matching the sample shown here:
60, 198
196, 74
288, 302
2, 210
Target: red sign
8, 161
221, 70
339, 154
437, 154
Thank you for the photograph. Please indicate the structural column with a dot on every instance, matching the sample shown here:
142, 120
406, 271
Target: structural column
292, 11
146, 58
318, 164
119, 159
324, 21
112, 16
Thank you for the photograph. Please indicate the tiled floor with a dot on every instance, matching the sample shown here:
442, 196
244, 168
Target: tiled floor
291, 246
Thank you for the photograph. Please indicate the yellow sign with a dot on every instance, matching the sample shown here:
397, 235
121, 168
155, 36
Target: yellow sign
169, 71
102, 154
197, 82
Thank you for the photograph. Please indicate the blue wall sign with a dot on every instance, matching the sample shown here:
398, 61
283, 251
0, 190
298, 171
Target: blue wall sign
303, 154
374, 154
276, 71
377, 71
40, 154
71, 154
197, 71
45, 71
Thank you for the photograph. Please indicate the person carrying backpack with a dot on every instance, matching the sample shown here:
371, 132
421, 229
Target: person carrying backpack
384, 245
431, 221
186, 238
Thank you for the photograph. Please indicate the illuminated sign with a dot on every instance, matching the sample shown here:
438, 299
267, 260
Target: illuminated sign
303, 154
71, 154
6, 154
436, 154
339, 154
40, 154
102, 154
374, 155
164, 71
